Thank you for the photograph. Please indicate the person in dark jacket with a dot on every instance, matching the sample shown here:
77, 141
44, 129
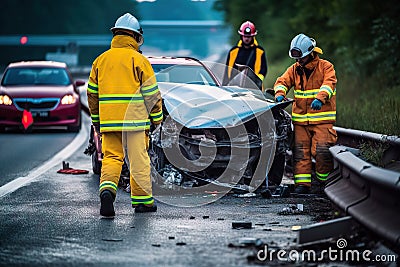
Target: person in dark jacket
246, 53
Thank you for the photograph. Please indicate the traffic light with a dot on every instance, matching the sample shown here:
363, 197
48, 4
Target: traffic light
23, 40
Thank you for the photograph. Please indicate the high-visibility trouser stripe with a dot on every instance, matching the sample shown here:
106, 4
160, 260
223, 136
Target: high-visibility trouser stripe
318, 116
328, 90
261, 76
302, 178
95, 117
322, 176
158, 116
149, 90
280, 88
126, 125
108, 184
93, 88
147, 200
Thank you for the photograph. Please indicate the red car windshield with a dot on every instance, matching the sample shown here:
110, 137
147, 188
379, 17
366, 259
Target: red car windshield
35, 76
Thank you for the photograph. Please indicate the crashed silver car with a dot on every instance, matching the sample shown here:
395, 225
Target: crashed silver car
215, 137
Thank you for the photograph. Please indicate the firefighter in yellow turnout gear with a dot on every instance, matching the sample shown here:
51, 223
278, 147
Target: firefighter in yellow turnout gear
313, 111
124, 100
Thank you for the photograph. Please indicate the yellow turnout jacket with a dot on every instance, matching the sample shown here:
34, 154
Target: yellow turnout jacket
122, 89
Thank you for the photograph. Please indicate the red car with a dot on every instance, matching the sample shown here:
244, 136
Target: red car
41, 91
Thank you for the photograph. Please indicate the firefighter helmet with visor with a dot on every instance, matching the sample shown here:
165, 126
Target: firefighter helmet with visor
301, 46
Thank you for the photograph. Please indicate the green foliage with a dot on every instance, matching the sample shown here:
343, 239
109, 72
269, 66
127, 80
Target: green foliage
61, 17
373, 152
361, 38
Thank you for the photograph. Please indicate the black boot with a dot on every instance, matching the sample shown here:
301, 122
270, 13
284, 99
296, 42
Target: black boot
141, 208
302, 189
107, 204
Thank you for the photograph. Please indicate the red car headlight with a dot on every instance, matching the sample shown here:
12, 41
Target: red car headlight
5, 100
68, 100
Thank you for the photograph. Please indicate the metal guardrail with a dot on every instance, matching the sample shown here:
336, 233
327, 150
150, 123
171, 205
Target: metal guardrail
353, 138
369, 194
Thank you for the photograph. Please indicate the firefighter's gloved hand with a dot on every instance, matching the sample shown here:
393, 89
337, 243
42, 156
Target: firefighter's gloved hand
279, 98
316, 104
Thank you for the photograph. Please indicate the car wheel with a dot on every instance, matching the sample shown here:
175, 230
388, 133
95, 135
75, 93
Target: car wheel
275, 174
96, 164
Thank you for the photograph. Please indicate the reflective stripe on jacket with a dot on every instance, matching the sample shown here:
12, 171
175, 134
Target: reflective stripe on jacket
321, 85
122, 89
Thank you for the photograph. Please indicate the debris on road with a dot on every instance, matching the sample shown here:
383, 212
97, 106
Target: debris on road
247, 195
246, 242
67, 170
112, 239
292, 210
241, 225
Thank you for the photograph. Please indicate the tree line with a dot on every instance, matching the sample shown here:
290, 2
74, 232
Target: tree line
361, 38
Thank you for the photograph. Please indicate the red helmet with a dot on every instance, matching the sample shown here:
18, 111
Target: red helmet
247, 29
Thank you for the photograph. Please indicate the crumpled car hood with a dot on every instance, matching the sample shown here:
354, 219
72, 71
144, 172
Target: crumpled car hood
202, 106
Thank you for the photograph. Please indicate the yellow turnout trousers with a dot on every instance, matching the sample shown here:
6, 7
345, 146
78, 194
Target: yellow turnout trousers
136, 143
313, 140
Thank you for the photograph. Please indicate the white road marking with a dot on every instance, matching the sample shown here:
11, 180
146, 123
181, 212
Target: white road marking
57, 159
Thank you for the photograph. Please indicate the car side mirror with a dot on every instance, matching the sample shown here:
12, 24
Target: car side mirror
79, 83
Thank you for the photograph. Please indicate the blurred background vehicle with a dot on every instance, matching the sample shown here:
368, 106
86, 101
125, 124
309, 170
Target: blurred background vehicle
44, 89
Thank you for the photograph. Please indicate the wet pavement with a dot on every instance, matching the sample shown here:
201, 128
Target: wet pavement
55, 221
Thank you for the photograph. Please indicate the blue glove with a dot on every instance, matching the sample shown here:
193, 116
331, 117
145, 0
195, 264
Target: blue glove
279, 98
316, 104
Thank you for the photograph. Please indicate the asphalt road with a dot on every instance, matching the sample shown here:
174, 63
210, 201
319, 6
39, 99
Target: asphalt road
53, 219
21, 152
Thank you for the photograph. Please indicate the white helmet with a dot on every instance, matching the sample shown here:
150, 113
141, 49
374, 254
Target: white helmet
128, 22
301, 46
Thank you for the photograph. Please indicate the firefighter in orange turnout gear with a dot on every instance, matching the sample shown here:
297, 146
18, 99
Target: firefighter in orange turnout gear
124, 100
313, 110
